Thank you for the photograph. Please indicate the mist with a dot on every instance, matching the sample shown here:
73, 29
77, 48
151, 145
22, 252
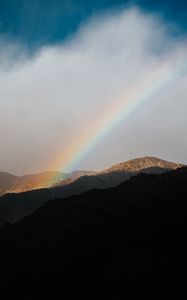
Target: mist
50, 99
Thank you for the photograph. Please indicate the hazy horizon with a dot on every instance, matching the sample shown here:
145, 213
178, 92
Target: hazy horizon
94, 170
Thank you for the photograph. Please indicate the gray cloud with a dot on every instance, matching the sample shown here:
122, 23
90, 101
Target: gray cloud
50, 100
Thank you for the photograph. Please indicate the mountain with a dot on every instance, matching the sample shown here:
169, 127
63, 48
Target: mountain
116, 174
6, 182
16, 184
123, 171
13, 207
134, 231
139, 164
71, 177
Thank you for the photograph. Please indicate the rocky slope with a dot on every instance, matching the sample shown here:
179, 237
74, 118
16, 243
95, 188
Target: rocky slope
138, 164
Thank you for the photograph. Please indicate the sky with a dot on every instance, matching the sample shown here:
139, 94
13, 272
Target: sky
65, 65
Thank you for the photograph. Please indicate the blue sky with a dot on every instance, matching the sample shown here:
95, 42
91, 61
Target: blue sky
88, 57
42, 22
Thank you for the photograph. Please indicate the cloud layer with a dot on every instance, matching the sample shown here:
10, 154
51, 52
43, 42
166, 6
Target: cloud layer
50, 100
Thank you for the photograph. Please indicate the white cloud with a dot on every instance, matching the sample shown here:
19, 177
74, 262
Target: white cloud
48, 101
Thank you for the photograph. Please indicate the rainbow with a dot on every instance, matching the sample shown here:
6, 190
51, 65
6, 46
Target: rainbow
161, 75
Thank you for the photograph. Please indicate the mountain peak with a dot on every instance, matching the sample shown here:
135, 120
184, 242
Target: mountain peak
137, 164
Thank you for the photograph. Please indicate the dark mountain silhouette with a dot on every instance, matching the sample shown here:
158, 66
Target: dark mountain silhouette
134, 231
13, 207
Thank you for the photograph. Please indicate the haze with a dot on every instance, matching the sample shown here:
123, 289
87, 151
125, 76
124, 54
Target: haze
50, 99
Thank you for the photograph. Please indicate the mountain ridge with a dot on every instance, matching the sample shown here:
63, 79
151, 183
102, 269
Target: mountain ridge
16, 184
136, 229
13, 207
140, 163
